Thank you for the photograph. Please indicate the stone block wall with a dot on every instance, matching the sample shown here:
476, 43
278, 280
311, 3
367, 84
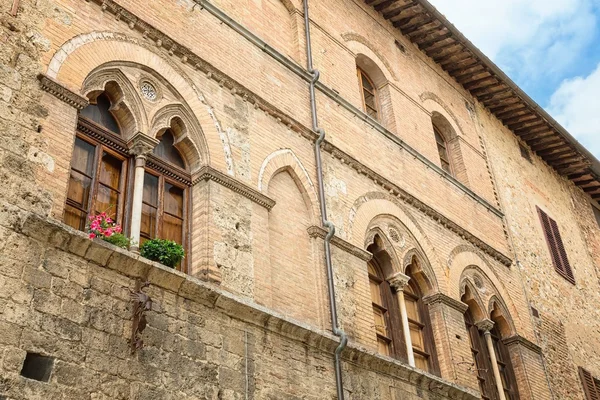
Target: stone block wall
70, 300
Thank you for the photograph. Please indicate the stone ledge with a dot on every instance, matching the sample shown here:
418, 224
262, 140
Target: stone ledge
55, 234
317, 231
208, 173
62, 92
446, 300
523, 342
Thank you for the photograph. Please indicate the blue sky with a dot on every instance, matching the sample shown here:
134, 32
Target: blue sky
551, 48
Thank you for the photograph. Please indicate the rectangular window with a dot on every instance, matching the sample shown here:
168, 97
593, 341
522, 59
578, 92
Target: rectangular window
591, 385
556, 247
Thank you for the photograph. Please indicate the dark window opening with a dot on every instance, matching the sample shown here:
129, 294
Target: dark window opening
37, 367
525, 152
100, 113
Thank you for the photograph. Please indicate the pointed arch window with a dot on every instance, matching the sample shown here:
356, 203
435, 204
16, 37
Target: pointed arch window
98, 176
442, 147
369, 94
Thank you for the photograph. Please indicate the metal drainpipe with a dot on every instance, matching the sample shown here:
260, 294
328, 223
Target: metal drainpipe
327, 224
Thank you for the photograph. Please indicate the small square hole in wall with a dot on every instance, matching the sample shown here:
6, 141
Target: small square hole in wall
535, 312
525, 152
37, 367
596, 209
400, 47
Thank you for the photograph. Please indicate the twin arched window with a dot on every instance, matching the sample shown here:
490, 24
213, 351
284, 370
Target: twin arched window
480, 350
101, 178
389, 310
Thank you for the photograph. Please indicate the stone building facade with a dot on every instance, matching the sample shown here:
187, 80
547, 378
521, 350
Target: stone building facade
465, 257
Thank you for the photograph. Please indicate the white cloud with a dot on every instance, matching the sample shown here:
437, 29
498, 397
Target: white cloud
521, 35
575, 105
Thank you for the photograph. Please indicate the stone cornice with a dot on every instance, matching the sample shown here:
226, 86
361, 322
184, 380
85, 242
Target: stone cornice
208, 173
441, 298
521, 341
62, 92
51, 233
317, 231
186, 55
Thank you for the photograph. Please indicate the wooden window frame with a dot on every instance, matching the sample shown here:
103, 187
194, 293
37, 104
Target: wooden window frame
169, 173
447, 158
397, 345
591, 385
481, 359
107, 141
425, 327
511, 391
360, 73
556, 246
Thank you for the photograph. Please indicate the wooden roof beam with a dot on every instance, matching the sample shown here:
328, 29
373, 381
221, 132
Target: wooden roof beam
529, 131
554, 152
503, 111
385, 4
526, 124
466, 56
468, 74
421, 34
399, 10
486, 82
446, 59
424, 44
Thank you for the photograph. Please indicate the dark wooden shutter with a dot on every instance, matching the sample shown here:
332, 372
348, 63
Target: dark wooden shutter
590, 385
556, 247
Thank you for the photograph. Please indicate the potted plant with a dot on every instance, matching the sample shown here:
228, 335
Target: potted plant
166, 252
101, 226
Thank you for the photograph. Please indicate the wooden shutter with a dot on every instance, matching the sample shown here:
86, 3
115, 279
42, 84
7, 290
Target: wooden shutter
556, 247
590, 385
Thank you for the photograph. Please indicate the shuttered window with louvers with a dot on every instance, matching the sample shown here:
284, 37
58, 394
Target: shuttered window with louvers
556, 247
591, 385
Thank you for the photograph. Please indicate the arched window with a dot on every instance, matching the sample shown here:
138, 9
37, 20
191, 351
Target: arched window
97, 180
369, 94
442, 146
165, 197
421, 334
100, 167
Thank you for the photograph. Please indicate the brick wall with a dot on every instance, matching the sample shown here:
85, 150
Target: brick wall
251, 119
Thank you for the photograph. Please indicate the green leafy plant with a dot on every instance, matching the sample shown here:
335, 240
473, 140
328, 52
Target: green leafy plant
166, 252
118, 239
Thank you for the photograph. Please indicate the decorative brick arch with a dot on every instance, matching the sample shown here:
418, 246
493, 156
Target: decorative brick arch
361, 45
371, 205
126, 103
189, 139
432, 103
81, 55
468, 266
285, 159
